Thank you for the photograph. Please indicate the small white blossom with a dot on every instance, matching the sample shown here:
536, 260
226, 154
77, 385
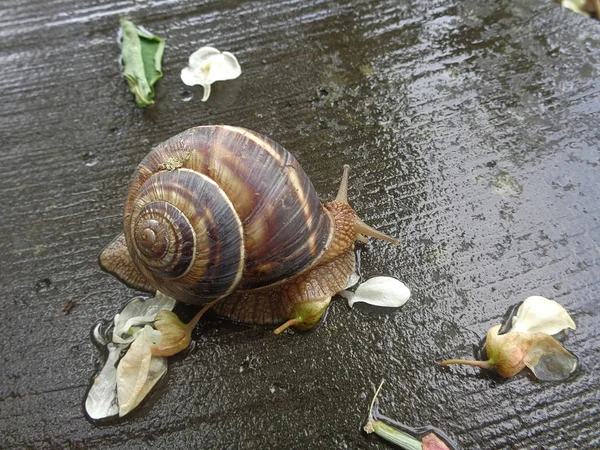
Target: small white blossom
529, 343
208, 65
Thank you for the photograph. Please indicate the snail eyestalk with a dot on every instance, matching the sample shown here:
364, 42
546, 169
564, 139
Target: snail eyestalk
342, 195
363, 228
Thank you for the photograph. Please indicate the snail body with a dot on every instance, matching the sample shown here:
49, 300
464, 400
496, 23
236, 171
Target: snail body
223, 214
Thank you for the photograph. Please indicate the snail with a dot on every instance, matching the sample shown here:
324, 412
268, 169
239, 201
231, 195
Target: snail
222, 214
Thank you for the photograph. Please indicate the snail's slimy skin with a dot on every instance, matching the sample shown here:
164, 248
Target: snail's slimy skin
220, 212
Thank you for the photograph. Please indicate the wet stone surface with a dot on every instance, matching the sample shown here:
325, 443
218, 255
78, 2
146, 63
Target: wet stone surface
472, 133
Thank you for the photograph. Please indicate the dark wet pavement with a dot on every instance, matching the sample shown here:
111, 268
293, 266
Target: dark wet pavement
472, 133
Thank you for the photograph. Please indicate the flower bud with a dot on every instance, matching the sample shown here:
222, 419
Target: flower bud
509, 353
175, 335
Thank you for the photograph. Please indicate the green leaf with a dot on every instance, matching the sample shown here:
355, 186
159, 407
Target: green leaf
142, 56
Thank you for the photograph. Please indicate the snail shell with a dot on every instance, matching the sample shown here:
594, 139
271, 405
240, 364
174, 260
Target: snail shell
220, 211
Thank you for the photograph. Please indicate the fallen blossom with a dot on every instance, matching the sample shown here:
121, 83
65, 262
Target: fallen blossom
207, 65
529, 343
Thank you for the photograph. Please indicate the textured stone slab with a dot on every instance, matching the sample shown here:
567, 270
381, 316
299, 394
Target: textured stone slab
472, 132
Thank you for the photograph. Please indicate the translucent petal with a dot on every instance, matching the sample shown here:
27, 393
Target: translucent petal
139, 311
379, 291
540, 315
138, 371
548, 360
101, 401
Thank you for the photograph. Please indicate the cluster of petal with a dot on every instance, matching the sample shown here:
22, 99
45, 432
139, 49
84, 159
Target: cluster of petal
379, 291
529, 343
207, 65
123, 383
138, 312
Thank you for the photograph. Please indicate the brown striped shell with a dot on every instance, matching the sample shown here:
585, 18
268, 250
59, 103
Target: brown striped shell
216, 209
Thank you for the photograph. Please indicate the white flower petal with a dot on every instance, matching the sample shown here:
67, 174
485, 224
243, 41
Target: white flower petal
199, 56
189, 78
138, 371
223, 67
139, 311
380, 291
540, 315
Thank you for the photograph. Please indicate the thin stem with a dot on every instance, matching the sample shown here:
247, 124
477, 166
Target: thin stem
285, 326
192, 323
468, 362
373, 401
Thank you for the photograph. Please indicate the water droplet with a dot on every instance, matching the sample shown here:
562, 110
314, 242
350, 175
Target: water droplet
186, 96
250, 363
43, 285
277, 386
90, 159
102, 332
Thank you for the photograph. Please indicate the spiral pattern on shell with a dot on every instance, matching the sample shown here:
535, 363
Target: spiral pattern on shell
218, 208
